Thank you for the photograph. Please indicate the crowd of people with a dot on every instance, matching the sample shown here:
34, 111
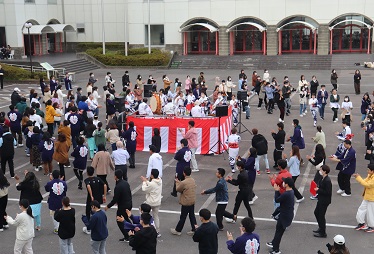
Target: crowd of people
54, 126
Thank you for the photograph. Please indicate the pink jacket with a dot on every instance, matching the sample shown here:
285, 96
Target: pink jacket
191, 136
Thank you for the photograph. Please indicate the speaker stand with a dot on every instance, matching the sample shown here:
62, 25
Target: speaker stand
219, 143
240, 124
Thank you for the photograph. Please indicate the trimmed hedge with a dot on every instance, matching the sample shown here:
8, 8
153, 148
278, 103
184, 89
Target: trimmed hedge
16, 73
84, 46
136, 57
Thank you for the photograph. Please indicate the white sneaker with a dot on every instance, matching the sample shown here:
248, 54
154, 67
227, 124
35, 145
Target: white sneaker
229, 220
345, 195
300, 200
306, 111
253, 200
15, 147
20, 145
195, 170
233, 171
335, 121
85, 230
1, 230
340, 191
37, 169
301, 115
315, 123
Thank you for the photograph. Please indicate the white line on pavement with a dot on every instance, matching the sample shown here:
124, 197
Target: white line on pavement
197, 214
302, 185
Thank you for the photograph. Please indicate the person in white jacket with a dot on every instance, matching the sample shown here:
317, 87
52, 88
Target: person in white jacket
25, 228
153, 194
61, 95
155, 161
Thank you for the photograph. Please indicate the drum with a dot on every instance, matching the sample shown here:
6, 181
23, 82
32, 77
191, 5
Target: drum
153, 103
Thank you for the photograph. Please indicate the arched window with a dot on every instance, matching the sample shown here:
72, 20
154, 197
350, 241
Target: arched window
200, 36
247, 36
297, 35
350, 34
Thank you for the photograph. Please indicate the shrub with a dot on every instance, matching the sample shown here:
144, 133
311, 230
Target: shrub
83, 46
16, 73
136, 57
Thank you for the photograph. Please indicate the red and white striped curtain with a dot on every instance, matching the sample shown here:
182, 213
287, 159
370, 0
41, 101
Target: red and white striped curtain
207, 129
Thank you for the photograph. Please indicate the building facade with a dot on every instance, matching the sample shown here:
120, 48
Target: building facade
220, 27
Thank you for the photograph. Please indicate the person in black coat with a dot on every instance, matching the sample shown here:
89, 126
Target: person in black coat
357, 81
144, 241
15, 97
156, 139
244, 189
286, 200
206, 234
279, 139
122, 197
324, 191
261, 144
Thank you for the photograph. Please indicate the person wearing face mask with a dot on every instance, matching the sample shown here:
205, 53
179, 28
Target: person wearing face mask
334, 79
322, 100
92, 79
314, 85
346, 108
324, 191
357, 81
229, 86
286, 92
334, 104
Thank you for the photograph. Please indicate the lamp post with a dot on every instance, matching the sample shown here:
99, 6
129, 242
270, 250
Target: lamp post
103, 26
149, 27
28, 25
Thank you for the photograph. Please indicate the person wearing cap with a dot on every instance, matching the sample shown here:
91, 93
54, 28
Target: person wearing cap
347, 167
338, 247
324, 191
15, 97
365, 212
155, 161
286, 200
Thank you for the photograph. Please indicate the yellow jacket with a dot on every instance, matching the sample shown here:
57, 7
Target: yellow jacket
50, 112
368, 183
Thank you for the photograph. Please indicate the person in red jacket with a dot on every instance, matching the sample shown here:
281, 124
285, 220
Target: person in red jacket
283, 173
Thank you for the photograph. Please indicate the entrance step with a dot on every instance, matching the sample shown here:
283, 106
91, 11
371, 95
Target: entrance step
282, 62
77, 66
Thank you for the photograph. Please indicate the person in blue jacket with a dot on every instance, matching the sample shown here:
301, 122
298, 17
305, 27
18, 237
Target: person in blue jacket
130, 137
247, 242
222, 198
347, 167
134, 219
80, 160
297, 139
322, 97
183, 156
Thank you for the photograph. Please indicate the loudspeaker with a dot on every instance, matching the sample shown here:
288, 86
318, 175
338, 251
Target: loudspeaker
119, 103
222, 110
148, 91
242, 95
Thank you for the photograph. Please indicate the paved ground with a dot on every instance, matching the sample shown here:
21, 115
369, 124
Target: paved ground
297, 239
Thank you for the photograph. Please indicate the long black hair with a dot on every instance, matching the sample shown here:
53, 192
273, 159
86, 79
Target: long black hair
320, 150
3, 181
25, 204
31, 178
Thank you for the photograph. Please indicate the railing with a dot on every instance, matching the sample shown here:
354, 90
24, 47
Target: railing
37, 68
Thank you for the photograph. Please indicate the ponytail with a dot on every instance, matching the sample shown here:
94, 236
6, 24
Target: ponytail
29, 212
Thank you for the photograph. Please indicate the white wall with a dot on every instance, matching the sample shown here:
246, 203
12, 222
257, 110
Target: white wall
171, 13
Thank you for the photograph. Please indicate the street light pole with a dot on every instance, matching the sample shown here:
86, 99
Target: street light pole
102, 23
28, 26
149, 27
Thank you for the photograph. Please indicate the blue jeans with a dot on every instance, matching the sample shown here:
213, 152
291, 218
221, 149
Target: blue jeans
363, 116
302, 108
247, 111
98, 247
322, 110
66, 246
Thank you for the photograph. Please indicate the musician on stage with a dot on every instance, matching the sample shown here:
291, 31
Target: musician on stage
220, 101
144, 109
169, 108
223, 89
197, 111
204, 103
179, 104
190, 100
235, 109
130, 100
